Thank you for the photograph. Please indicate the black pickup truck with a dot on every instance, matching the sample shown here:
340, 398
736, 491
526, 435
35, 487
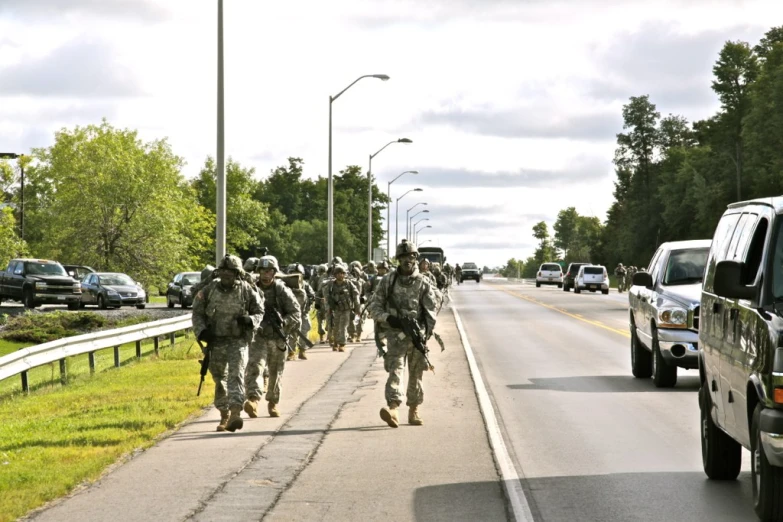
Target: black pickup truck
34, 282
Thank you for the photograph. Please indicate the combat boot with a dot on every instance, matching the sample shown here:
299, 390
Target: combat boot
322, 339
223, 421
389, 416
334, 347
341, 348
302, 355
291, 356
413, 416
272, 408
251, 408
235, 421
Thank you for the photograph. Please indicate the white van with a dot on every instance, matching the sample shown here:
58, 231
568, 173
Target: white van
592, 277
549, 274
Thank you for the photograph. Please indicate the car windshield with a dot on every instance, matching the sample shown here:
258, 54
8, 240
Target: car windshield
594, 270
191, 278
686, 267
551, 267
469, 266
44, 269
116, 279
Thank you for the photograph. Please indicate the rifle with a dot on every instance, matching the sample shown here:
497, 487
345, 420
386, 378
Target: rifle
273, 319
304, 339
378, 343
412, 330
204, 364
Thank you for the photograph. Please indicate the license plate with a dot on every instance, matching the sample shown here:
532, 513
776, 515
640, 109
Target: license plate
61, 297
593, 286
550, 278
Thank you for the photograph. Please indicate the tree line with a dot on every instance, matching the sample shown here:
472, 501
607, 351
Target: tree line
674, 179
100, 196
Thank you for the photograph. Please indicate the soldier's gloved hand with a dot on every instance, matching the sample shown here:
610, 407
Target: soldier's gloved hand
245, 320
206, 336
394, 321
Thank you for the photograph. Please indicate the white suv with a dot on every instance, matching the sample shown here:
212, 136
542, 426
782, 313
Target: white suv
549, 274
592, 277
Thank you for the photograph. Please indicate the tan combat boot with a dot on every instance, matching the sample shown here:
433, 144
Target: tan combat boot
235, 421
322, 339
272, 408
389, 416
341, 348
334, 347
302, 354
251, 408
223, 421
413, 416
291, 356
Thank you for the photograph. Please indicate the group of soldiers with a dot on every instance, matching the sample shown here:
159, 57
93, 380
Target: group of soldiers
251, 318
624, 276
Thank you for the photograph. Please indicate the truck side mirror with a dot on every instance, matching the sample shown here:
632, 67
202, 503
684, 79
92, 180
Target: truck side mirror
643, 279
728, 281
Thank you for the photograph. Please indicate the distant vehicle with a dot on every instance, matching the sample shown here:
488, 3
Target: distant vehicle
432, 254
470, 271
78, 271
592, 278
180, 290
570, 275
112, 290
39, 281
549, 274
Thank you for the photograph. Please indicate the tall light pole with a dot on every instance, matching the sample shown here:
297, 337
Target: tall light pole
330, 183
13, 155
416, 232
397, 215
388, 222
408, 232
414, 215
220, 173
416, 223
425, 241
369, 195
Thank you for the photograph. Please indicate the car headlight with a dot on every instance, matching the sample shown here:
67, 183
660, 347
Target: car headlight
77, 287
186, 291
111, 292
40, 284
141, 292
673, 317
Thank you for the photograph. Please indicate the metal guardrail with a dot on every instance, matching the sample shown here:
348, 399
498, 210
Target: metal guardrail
25, 359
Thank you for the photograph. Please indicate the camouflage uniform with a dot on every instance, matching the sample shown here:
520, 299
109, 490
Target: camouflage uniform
361, 282
216, 310
320, 312
207, 276
342, 303
414, 297
268, 351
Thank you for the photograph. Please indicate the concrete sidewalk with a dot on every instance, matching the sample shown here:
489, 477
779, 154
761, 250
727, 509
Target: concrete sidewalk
328, 457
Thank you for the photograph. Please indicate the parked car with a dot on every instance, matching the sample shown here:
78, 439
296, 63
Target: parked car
78, 271
570, 275
470, 271
180, 291
34, 282
664, 312
741, 351
592, 278
112, 290
549, 274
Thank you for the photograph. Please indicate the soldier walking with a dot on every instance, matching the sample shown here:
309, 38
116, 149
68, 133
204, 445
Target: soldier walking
268, 349
404, 295
342, 305
320, 308
361, 282
225, 313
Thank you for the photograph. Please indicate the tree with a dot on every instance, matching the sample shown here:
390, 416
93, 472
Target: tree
11, 245
566, 231
545, 251
114, 202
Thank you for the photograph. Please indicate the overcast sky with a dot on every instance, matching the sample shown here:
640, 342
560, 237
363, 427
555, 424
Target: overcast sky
512, 105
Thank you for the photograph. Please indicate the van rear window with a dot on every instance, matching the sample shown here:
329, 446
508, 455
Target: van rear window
593, 270
551, 267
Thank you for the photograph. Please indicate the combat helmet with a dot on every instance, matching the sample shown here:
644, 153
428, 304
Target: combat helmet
250, 264
336, 261
321, 269
268, 262
339, 267
207, 272
298, 269
405, 248
231, 263
384, 264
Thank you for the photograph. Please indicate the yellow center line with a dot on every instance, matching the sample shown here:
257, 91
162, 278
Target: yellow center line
624, 333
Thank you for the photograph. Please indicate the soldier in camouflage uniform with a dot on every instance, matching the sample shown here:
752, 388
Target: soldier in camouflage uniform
225, 313
424, 270
268, 349
304, 296
629, 276
207, 275
381, 270
342, 305
320, 309
404, 292
361, 282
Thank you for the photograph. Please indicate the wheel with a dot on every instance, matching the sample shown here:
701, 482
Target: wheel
592, 291
767, 480
73, 306
538, 285
605, 292
478, 280
641, 359
169, 302
663, 374
560, 285
565, 288
27, 298
577, 290
721, 456
141, 306
101, 303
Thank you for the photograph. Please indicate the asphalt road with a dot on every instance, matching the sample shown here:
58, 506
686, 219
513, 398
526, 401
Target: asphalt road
592, 442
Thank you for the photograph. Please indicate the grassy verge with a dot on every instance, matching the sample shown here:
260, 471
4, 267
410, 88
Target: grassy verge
157, 299
7, 347
59, 437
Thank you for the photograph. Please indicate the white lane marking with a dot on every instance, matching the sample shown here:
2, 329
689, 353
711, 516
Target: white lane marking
508, 472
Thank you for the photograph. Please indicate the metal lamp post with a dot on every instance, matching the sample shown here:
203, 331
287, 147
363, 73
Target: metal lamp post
330, 183
397, 215
425, 241
369, 195
13, 155
416, 232
413, 216
388, 195
416, 223
408, 232
220, 167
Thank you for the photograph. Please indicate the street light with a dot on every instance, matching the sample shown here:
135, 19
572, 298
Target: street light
425, 241
220, 166
416, 232
408, 232
414, 215
388, 195
330, 183
13, 155
369, 195
397, 215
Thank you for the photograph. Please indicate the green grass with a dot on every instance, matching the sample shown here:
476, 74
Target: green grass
61, 436
37, 328
7, 347
157, 299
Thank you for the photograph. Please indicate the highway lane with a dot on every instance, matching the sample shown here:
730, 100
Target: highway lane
592, 442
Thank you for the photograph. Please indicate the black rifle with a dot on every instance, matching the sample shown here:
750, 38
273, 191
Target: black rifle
413, 331
206, 350
273, 319
304, 339
378, 343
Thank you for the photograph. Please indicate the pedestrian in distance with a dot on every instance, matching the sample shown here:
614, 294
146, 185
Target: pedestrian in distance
342, 306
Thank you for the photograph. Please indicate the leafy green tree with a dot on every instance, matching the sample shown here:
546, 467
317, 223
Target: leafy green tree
10, 244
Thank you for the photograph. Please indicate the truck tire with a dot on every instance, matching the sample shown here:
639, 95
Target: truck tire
169, 302
663, 375
101, 303
721, 456
577, 290
641, 359
538, 285
73, 306
767, 480
566, 288
27, 298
